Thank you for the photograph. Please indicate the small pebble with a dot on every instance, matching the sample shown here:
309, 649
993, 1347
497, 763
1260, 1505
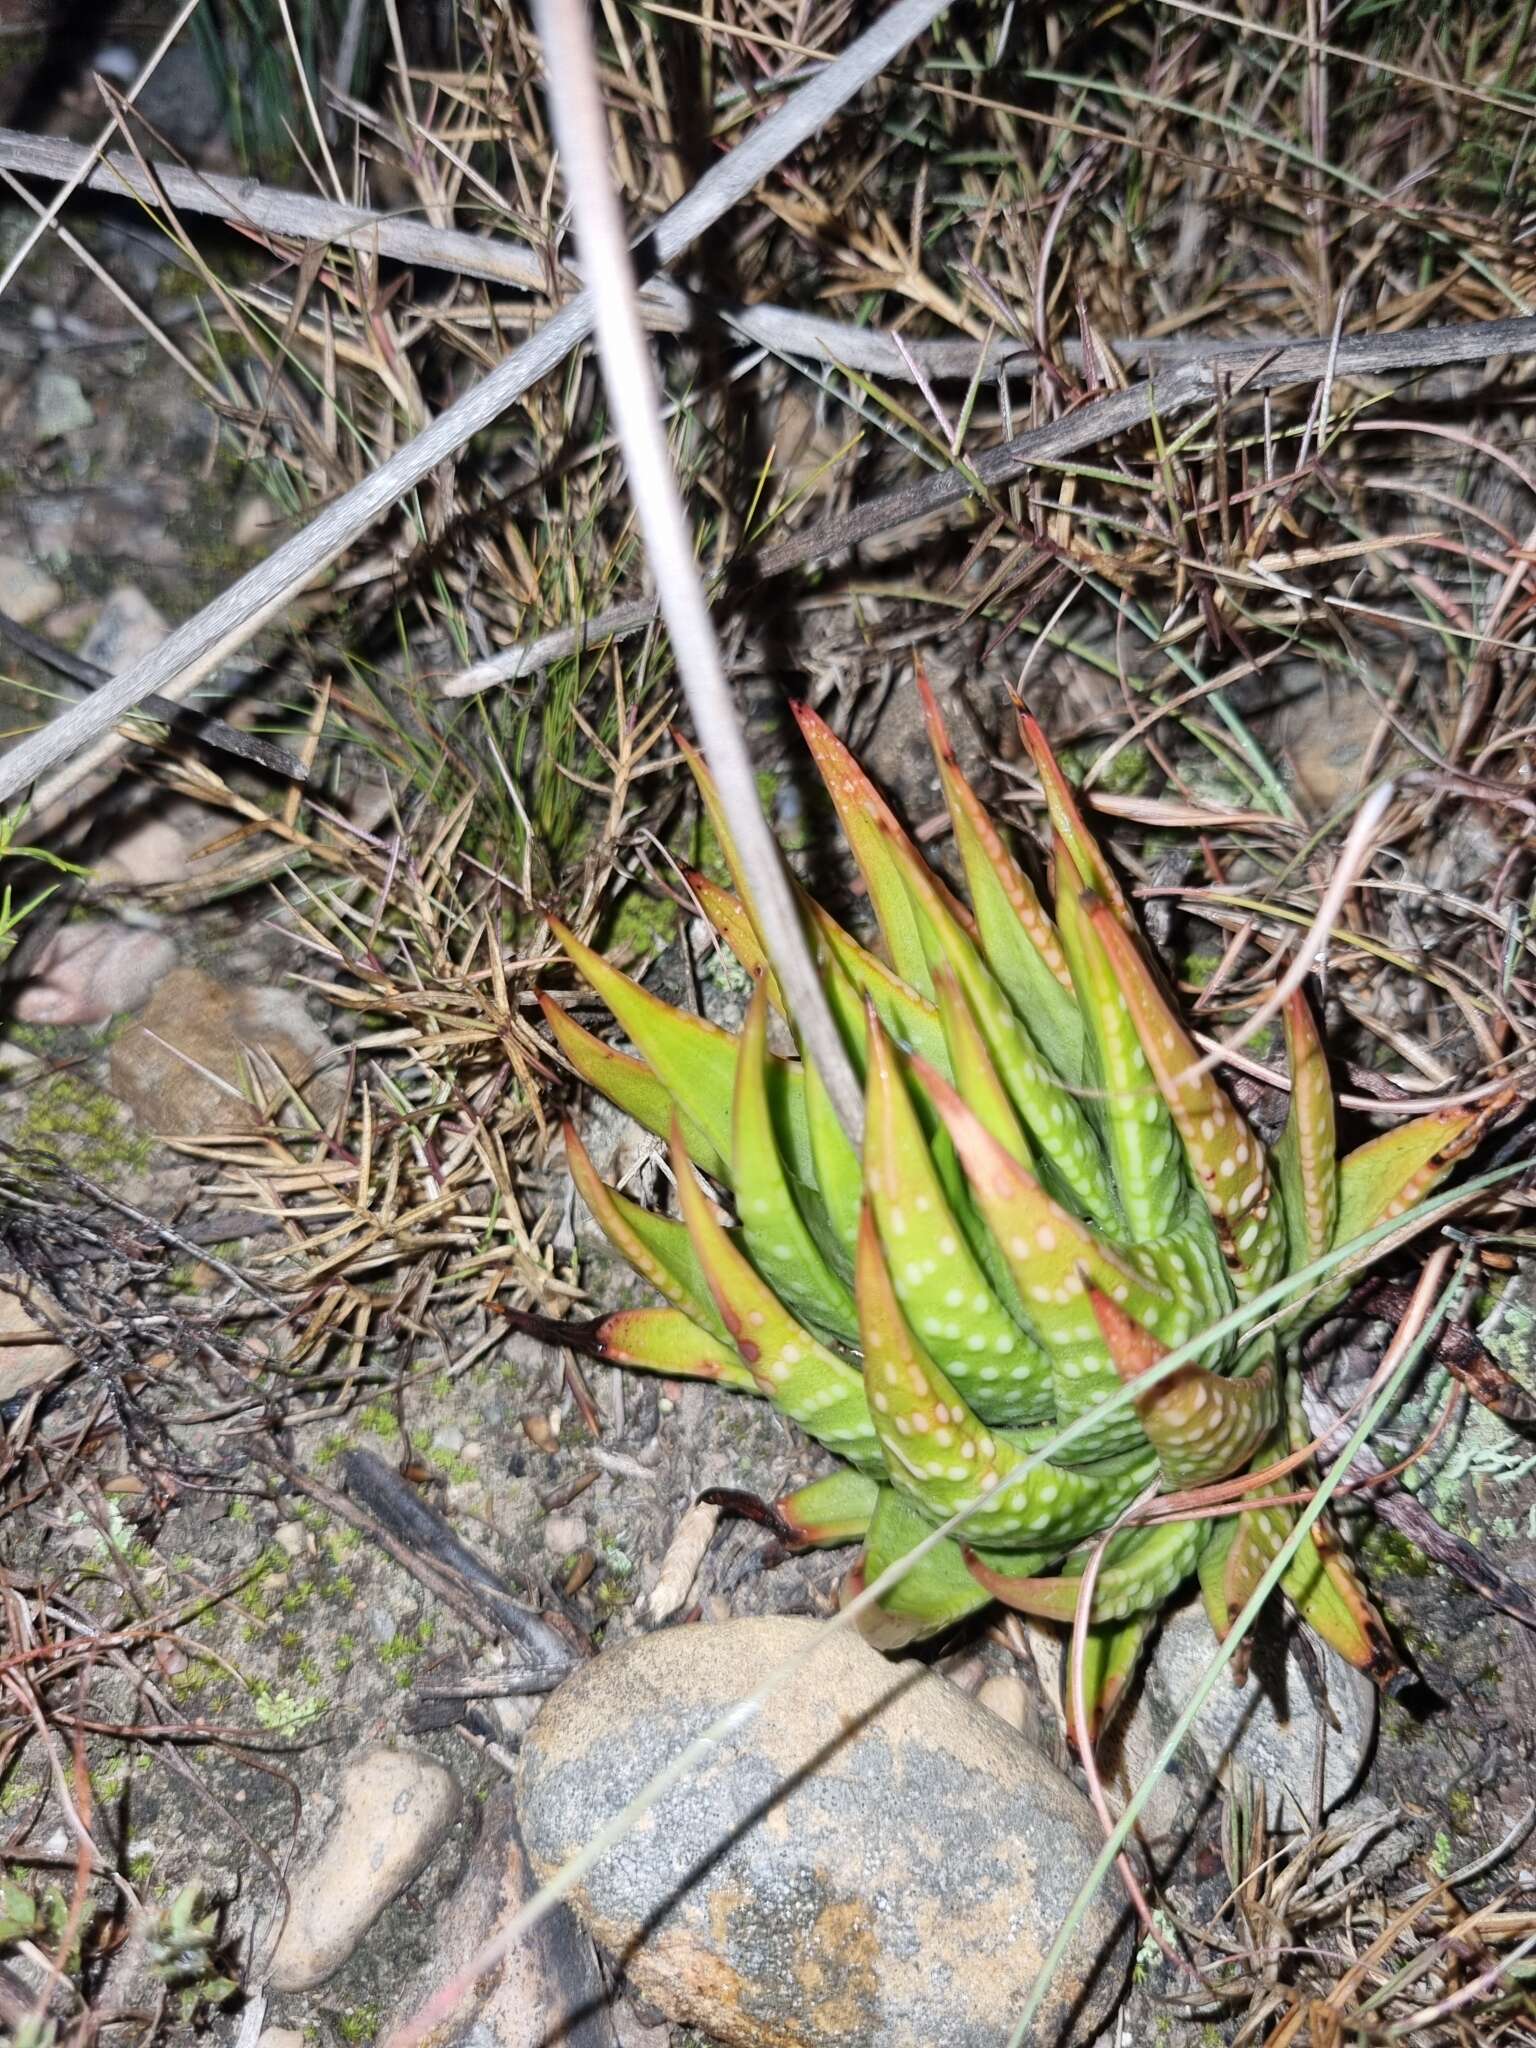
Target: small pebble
291, 1537
564, 1534
395, 1808
449, 1438
27, 593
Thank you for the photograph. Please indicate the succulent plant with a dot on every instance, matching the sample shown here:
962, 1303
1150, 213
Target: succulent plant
1051, 1193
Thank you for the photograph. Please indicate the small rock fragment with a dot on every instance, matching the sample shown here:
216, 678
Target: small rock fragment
94, 970
546, 1992
29, 1357
147, 853
394, 1811
1006, 1695
127, 628
179, 1068
27, 593
873, 1859
564, 1534
59, 406
280, 2037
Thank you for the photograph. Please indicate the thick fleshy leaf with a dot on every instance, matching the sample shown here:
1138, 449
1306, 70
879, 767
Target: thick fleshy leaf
1141, 1568
728, 915
665, 1340
1138, 1128
1384, 1177
720, 824
1322, 1586
1202, 1426
870, 826
1086, 863
658, 1247
693, 1059
793, 1368
1050, 1253
837, 1172
830, 1511
1225, 1157
777, 1236
1306, 1158
1111, 1655
696, 1062
1065, 1142
1242, 1548
1017, 938
943, 1458
933, 1595
944, 1293
629, 1084
909, 1017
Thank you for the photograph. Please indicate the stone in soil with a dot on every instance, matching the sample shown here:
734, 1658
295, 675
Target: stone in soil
27, 593
28, 1356
94, 970
394, 1810
59, 406
1271, 1725
180, 1068
127, 627
546, 1990
874, 1858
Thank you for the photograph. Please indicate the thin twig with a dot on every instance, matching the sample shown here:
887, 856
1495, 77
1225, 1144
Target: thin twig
1099, 420
581, 130
182, 660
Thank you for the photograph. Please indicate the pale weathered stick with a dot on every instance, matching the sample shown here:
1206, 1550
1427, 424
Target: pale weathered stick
270, 210
1245, 366
577, 114
181, 661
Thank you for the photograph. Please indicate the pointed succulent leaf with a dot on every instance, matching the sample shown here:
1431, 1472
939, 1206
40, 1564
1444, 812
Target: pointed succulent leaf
1306, 1157
837, 1509
629, 1084
1138, 1129
1242, 1548
1084, 860
943, 1291
1202, 1426
909, 1017
933, 1595
694, 1060
797, 1372
667, 1341
1065, 1143
943, 1458
1017, 938
1111, 1655
1386, 1176
1321, 1584
728, 915
720, 824
837, 1172
658, 1247
1225, 1157
1141, 1568
870, 827
1050, 1253
776, 1234
981, 1089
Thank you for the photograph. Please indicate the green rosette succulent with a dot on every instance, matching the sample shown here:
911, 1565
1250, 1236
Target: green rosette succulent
1050, 1196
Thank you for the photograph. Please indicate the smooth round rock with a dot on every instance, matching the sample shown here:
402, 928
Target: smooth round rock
395, 1808
874, 1859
